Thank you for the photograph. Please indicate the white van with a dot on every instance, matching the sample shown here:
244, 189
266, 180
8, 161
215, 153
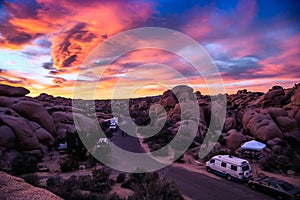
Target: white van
229, 166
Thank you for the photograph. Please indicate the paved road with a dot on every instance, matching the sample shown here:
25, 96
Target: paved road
194, 185
198, 186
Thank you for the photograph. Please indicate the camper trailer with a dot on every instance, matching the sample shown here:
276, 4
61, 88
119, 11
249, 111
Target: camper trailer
229, 166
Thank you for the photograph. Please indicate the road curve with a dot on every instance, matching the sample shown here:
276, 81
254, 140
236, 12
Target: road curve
194, 185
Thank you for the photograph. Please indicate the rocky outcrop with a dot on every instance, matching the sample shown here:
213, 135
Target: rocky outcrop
273, 97
11, 91
35, 112
168, 100
14, 188
26, 139
261, 125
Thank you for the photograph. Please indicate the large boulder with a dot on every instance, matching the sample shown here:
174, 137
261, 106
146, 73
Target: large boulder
234, 139
229, 124
295, 99
43, 136
14, 188
276, 112
35, 112
26, 138
297, 118
11, 91
273, 97
261, 125
168, 99
286, 123
7, 137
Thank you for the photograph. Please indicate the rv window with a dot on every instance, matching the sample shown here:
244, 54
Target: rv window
245, 168
234, 168
212, 161
223, 164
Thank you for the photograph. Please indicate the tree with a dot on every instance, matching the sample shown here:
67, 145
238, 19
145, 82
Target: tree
75, 146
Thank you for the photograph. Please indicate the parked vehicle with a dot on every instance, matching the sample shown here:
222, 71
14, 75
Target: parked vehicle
103, 149
43, 168
229, 166
275, 187
113, 123
62, 148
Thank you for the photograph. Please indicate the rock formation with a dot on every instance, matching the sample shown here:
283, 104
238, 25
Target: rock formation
14, 188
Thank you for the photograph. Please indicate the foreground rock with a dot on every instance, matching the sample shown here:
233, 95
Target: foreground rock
14, 188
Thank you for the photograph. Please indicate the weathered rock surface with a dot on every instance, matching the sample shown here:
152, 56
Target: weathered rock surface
14, 188
261, 125
7, 137
36, 112
168, 99
27, 140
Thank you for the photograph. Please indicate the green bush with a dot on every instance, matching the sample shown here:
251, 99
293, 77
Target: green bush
24, 164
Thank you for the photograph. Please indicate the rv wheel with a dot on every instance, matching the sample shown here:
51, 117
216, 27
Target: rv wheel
228, 177
208, 169
253, 186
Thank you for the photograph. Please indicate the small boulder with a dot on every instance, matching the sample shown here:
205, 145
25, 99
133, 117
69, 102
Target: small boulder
234, 139
290, 172
230, 123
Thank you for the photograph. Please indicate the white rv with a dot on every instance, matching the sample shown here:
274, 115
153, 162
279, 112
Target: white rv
229, 166
113, 123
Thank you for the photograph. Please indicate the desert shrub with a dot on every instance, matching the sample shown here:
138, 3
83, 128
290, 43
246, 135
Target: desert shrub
24, 164
32, 179
68, 165
101, 181
53, 181
84, 182
114, 196
121, 178
101, 175
149, 186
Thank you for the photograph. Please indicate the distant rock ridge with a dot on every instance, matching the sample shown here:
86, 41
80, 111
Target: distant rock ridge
32, 125
14, 188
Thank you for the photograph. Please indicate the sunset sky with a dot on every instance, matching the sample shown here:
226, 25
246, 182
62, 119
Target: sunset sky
254, 44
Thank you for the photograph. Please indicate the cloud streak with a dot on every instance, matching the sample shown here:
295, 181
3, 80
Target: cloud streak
248, 40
